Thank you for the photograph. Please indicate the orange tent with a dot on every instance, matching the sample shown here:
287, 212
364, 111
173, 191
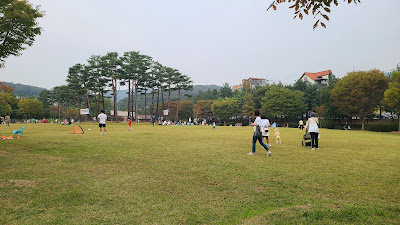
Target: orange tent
77, 130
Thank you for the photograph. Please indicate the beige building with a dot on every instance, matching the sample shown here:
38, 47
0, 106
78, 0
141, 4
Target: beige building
253, 82
237, 87
250, 82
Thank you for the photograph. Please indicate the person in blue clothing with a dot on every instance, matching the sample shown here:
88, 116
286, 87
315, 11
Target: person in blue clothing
257, 122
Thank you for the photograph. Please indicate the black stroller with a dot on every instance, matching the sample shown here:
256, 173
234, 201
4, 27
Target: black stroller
306, 139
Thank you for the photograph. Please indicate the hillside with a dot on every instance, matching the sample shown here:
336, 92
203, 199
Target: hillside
25, 90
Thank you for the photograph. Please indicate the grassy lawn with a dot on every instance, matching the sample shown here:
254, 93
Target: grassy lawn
193, 175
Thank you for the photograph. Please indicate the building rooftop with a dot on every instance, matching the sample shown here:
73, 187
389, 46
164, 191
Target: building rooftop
318, 75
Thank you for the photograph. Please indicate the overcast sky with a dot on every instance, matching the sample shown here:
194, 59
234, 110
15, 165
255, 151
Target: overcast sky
211, 41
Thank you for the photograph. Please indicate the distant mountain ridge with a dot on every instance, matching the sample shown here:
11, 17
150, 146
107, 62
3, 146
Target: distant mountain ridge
25, 90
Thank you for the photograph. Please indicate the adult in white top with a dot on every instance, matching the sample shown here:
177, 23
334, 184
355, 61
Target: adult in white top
312, 126
102, 117
257, 122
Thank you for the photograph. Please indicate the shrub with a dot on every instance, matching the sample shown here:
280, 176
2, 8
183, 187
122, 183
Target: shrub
293, 125
339, 127
327, 124
230, 123
245, 123
382, 127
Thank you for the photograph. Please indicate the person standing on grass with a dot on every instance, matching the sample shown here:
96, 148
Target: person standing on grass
347, 126
264, 128
102, 117
130, 125
257, 122
312, 125
8, 120
301, 125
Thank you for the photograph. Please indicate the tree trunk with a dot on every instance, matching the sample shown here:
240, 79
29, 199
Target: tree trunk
162, 98
158, 98
136, 111
79, 108
114, 87
102, 99
97, 104
145, 102
129, 98
362, 124
132, 101
169, 101
177, 105
87, 104
152, 101
59, 110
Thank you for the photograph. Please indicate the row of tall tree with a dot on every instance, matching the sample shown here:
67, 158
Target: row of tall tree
88, 84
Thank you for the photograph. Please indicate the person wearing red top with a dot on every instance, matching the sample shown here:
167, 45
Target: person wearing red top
130, 125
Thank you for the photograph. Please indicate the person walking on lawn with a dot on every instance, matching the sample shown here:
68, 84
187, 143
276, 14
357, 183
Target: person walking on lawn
257, 122
312, 125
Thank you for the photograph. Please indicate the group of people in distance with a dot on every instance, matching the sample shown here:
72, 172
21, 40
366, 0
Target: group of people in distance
263, 123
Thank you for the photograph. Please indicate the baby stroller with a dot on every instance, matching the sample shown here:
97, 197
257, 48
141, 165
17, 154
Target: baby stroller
306, 139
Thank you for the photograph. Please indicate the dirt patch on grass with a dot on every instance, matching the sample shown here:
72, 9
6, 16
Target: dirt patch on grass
3, 183
3, 153
23, 183
48, 157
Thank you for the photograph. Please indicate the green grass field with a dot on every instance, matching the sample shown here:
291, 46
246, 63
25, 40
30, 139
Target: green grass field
193, 175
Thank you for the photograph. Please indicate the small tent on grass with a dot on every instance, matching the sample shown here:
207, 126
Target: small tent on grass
77, 130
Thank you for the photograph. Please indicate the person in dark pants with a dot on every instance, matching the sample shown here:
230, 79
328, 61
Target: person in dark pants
312, 125
153, 119
102, 121
257, 122
301, 125
347, 126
